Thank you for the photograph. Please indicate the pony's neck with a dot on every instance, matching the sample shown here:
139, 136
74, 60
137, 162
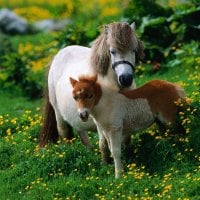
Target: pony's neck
109, 81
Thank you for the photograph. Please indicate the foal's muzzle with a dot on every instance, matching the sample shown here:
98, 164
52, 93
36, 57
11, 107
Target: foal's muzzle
84, 115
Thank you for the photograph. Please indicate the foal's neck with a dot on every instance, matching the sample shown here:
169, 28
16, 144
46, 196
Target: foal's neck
97, 92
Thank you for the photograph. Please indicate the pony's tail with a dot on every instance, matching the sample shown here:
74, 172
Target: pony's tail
49, 131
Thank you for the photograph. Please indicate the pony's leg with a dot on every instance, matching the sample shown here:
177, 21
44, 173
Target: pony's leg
64, 129
115, 138
85, 139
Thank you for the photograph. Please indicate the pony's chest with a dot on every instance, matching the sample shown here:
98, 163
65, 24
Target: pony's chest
138, 115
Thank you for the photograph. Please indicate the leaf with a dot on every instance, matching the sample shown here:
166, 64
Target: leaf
174, 63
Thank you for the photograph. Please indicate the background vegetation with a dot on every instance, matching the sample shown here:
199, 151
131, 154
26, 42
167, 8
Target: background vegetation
160, 166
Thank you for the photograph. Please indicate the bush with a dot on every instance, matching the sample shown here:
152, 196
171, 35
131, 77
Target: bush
162, 28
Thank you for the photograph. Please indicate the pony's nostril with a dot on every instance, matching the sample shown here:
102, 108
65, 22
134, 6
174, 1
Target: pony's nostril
125, 80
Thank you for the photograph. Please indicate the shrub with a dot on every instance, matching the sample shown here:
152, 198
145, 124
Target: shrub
162, 28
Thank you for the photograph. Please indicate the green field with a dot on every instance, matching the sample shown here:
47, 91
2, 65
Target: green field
156, 167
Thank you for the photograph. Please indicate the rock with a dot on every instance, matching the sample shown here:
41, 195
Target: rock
12, 23
49, 25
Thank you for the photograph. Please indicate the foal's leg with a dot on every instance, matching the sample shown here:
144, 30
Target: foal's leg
161, 126
103, 146
85, 139
115, 138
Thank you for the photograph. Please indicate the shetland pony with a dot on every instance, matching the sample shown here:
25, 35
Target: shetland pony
113, 57
117, 115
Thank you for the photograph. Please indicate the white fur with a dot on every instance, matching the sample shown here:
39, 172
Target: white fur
123, 116
72, 61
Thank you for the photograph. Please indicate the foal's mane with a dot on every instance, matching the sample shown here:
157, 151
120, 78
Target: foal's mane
119, 35
85, 78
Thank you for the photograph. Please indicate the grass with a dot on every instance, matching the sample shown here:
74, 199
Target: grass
15, 105
156, 167
159, 167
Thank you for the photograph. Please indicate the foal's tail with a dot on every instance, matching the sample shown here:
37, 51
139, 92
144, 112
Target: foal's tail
49, 131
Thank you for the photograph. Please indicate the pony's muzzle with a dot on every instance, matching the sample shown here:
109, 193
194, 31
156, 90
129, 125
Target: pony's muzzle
83, 114
124, 71
125, 80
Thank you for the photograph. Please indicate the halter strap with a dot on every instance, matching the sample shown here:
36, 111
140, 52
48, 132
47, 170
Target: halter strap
123, 62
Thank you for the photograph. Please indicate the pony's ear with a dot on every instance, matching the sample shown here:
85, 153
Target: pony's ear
106, 29
133, 26
72, 81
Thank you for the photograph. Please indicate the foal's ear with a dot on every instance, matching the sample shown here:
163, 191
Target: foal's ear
94, 79
72, 81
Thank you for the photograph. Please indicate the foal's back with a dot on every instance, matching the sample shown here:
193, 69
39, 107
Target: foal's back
161, 96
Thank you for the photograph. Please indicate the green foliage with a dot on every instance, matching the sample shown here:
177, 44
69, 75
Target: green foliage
188, 55
156, 165
137, 9
76, 34
163, 28
18, 64
16, 74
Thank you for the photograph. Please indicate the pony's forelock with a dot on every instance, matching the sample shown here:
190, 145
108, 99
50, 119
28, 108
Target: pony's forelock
121, 36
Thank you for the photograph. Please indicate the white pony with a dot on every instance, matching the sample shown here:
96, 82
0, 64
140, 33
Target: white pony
116, 118
113, 58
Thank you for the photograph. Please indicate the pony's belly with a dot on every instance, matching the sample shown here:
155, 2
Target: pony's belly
69, 113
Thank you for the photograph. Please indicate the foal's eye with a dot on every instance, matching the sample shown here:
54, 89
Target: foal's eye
89, 96
75, 98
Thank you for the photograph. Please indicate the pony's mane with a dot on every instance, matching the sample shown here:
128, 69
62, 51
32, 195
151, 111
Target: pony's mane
119, 35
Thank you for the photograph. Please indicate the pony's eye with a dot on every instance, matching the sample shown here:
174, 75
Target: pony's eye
113, 52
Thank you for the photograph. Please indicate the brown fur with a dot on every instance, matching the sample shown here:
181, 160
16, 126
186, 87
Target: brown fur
49, 127
86, 82
161, 96
120, 36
